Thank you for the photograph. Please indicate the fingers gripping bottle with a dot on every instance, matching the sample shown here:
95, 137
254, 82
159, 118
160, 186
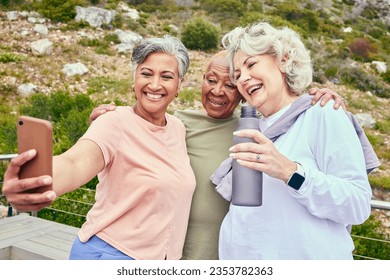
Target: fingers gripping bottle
247, 183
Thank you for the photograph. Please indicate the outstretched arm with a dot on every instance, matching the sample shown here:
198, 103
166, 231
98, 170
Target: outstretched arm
70, 170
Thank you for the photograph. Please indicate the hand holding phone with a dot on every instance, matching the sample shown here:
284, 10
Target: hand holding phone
34, 133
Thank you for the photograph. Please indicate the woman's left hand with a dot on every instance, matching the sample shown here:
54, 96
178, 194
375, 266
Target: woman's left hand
262, 155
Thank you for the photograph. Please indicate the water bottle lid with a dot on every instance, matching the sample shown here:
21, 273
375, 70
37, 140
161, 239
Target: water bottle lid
248, 111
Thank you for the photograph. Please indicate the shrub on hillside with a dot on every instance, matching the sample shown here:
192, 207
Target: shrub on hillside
362, 49
371, 247
69, 115
156, 6
199, 34
59, 10
359, 79
386, 77
274, 20
304, 18
224, 8
8, 133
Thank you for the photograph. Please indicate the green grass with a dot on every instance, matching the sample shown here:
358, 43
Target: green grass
10, 57
109, 86
188, 96
382, 182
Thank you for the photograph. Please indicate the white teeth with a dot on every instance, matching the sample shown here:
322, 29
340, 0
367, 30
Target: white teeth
154, 96
216, 103
254, 88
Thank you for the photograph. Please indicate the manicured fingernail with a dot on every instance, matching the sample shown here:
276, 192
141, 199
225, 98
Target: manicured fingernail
231, 149
46, 181
51, 196
236, 133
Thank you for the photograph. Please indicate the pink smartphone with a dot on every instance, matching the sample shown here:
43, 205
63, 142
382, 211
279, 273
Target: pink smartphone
34, 133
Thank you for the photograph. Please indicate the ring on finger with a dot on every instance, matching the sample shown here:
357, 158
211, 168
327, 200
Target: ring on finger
257, 157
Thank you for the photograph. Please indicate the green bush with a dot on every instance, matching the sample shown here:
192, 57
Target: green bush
69, 115
59, 10
10, 57
386, 77
274, 20
370, 247
224, 8
304, 18
199, 34
8, 143
11, 3
359, 79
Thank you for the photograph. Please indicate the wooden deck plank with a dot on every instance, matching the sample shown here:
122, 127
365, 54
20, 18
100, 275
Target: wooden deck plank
14, 226
52, 242
26, 237
42, 250
16, 233
17, 253
64, 235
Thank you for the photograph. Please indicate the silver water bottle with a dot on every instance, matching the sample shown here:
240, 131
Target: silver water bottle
247, 183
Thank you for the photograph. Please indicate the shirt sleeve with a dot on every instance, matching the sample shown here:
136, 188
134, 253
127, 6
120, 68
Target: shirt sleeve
338, 189
106, 132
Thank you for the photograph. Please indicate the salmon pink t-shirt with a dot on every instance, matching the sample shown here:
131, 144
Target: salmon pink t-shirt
144, 193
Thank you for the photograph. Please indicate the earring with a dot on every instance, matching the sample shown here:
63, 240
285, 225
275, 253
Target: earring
176, 95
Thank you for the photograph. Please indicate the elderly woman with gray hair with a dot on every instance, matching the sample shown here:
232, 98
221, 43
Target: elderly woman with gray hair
314, 173
139, 153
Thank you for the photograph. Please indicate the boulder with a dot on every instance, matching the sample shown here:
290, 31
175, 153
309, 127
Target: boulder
94, 16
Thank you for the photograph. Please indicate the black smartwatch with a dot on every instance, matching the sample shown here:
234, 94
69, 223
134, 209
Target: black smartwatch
297, 178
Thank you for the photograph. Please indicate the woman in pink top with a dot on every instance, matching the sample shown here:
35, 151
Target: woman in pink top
139, 153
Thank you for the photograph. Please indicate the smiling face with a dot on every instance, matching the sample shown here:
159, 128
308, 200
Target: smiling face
156, 84
220, 96
261, 82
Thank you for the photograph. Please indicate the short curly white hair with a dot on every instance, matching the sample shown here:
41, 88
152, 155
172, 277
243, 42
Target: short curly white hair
284, 44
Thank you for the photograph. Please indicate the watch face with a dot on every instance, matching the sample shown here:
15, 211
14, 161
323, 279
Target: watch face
296, 181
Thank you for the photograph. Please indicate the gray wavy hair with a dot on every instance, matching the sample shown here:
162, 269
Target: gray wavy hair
284, 44
165, 44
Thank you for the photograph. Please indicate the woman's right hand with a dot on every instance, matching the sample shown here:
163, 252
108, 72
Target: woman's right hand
100, 110
16, 189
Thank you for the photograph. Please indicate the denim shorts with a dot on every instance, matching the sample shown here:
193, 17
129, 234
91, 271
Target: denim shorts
95, 249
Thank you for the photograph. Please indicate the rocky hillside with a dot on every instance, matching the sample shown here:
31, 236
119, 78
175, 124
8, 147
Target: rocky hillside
38, 55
